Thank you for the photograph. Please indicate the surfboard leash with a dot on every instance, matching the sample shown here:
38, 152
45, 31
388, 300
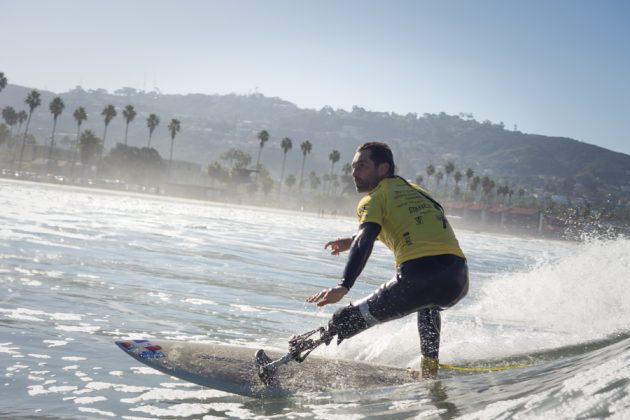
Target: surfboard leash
481, 368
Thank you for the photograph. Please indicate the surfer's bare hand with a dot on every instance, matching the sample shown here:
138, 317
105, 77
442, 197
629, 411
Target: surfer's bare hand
326, 296
339, 245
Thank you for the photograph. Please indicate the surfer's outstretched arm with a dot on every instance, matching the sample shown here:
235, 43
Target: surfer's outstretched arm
360, 251
339, 245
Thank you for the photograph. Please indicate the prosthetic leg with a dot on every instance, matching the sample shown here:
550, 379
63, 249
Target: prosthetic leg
345, 323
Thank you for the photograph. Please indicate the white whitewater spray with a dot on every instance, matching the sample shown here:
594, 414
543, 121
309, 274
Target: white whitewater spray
577, 298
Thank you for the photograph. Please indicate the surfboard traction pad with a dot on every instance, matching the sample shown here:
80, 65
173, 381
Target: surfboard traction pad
233, 369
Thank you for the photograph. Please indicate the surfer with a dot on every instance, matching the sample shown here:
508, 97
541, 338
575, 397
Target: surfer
431, 271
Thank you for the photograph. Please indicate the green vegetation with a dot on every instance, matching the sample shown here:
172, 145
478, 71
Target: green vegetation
56, 108
33, 100
263, 136
109, 113
173, 127
10, 117
457, 158
286, 145
89, 148
129, 113
306, 148
152, 122
80, 116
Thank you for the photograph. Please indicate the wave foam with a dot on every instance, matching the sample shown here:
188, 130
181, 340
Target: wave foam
579, 297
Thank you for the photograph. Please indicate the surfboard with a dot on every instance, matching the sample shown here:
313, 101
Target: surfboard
232, 369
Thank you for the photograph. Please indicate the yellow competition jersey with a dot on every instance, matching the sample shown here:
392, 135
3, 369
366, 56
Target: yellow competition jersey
412, 226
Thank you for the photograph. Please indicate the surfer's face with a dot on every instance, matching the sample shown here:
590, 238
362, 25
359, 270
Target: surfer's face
365, 173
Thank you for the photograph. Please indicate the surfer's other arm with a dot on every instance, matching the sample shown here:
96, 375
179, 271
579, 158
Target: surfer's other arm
360, 251
339, 245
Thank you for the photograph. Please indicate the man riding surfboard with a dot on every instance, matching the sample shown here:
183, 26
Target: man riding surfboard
431, 270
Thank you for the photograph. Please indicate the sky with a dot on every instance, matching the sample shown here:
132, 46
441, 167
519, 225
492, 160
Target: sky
557, 68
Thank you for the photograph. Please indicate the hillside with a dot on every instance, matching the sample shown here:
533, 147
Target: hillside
212, 124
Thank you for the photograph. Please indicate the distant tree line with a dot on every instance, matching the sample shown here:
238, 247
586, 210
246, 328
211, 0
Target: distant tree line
233, 167
477, 188
88, 148
233, 162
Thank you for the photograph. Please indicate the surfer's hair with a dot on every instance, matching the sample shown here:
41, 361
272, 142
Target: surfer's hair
379, 153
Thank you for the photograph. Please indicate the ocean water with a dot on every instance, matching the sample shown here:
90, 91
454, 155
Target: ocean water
82, 268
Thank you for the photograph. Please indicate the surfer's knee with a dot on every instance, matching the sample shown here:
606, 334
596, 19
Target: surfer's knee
351, 320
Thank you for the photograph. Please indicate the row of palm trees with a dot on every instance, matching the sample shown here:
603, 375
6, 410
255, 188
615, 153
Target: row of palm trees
286, 144
57, 106
473, 182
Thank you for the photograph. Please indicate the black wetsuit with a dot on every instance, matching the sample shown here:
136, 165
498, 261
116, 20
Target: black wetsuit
423, 285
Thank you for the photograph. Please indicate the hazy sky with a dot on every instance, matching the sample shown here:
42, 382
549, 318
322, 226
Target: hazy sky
551, 67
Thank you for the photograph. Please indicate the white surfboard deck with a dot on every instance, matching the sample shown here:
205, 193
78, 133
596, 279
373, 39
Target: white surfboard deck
232, 369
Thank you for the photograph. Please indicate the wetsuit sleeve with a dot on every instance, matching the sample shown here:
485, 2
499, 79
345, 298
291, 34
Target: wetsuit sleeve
359, 252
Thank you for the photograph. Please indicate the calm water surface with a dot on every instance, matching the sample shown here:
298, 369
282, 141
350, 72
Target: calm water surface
80, 269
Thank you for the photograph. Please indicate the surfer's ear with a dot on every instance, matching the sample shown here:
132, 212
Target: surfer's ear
383, 169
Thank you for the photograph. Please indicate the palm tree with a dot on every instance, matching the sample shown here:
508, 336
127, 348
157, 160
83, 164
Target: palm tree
89, 148
129, 113
306, 147
10, 116
173, 127
503, 191
263, 136
486, 186
334, 183
314, 180
458, 177
152, 122
56, 108
334, 157
3, 81
449, 168
438, 178
430, 171
33, 100
286, 145
474, 184
4, 134
290, 181
266, 184
109, 112
79, 116
22, 116
469, 175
